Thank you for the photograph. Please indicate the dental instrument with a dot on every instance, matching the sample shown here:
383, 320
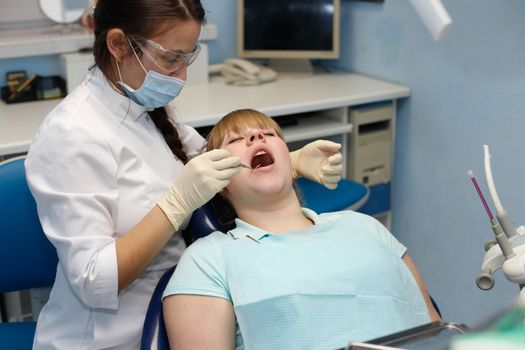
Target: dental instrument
242, 165
508, 251
501, 238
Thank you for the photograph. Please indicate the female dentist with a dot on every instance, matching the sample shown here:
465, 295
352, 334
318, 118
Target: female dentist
115, 174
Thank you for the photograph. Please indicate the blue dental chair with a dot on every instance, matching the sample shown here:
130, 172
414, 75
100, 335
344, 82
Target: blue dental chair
349, 195
27, 259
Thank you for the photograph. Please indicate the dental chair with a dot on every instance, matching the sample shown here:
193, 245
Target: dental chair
349, 195
27, 258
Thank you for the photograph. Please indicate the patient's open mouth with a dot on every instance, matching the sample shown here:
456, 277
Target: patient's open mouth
261, 159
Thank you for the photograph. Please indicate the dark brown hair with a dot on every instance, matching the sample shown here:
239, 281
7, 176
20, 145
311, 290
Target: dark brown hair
143, 18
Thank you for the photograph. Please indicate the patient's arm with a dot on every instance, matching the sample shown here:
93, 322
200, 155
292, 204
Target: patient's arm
434, 316
199, 322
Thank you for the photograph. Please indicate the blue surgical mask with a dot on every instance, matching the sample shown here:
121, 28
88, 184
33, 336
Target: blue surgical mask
157, 90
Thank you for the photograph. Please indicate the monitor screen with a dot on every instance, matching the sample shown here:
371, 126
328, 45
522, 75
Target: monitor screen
288, 28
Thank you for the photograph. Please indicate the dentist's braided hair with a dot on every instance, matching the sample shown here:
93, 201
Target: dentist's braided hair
142, 18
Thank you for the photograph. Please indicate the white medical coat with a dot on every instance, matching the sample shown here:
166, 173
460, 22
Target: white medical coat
96, 166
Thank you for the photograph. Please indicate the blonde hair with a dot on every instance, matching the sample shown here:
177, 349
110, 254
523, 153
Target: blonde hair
236, 121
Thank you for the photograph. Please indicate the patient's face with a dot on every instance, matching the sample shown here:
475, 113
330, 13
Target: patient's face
268, 155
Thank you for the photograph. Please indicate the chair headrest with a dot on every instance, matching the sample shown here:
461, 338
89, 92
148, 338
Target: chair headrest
203, 222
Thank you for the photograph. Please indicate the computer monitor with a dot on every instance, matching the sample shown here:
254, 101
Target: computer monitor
288, 31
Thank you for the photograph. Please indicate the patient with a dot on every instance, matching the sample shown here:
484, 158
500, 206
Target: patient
286, 277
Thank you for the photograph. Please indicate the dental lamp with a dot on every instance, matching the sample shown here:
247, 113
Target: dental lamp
434, 16
508, 250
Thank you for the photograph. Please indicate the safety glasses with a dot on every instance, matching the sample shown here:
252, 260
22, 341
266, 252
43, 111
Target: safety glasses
168, 60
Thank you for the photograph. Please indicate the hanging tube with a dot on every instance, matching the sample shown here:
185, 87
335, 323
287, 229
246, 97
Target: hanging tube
501, 213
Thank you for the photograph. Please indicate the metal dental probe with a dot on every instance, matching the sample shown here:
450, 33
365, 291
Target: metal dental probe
248, 167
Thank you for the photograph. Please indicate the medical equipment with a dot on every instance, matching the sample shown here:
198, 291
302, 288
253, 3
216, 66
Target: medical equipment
244, 166
434, 16
508, 250
431, 336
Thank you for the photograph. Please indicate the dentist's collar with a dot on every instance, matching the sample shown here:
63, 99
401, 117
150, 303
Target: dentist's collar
119, 101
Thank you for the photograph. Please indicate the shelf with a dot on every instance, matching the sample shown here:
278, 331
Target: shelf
314, 127
43, 41
52, 40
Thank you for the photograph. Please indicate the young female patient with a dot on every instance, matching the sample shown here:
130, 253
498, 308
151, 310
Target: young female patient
286, 277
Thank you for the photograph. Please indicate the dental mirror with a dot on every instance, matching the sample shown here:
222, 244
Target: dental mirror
63, 11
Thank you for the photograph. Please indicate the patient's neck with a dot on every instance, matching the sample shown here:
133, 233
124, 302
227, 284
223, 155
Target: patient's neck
281, 216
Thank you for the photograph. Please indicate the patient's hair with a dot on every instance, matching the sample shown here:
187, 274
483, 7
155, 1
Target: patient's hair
238, 120
235, 122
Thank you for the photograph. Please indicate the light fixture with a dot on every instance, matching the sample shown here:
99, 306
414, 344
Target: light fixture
434, 16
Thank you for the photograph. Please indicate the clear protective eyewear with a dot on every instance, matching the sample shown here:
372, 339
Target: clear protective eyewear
168, 60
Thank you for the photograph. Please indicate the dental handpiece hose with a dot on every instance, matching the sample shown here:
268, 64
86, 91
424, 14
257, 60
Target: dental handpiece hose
502, 239
501, 214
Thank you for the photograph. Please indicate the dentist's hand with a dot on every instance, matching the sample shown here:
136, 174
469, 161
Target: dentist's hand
200, 179
319, 161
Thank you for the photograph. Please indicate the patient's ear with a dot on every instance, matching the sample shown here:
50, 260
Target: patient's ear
118, 44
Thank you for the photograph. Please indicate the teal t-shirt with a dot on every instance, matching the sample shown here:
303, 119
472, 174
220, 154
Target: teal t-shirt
340, 280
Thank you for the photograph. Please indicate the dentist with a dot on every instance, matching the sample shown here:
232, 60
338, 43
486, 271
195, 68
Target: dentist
116, 175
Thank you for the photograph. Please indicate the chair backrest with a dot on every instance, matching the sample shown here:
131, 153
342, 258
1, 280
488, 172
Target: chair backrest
27, 257
203, 222
154, 336
349, 195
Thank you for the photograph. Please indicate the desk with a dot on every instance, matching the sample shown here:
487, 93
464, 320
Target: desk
321, 103
325, 97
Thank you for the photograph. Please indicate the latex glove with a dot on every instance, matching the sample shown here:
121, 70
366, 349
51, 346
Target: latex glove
319, 161
198, 182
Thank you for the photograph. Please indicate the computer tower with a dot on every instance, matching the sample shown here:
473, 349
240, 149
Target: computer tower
370, 158
370, 153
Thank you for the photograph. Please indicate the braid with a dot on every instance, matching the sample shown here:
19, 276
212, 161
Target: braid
169, 132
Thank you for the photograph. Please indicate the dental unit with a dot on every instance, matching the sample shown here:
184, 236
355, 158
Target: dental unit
508, 250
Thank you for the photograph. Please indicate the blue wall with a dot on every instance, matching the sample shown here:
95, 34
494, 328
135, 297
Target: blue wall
467, 90
222, 13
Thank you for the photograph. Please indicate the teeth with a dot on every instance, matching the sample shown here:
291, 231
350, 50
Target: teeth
260, 152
